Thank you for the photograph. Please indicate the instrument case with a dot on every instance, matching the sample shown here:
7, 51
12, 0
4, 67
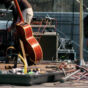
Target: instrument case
27, 79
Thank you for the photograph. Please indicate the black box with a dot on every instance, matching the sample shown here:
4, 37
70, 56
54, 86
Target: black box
49, 44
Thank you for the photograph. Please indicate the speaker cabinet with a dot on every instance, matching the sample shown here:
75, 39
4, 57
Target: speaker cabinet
49, 44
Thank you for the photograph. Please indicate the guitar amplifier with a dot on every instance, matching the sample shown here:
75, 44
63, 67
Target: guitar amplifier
49, 44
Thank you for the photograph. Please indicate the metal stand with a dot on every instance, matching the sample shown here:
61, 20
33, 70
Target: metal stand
81, 33
82, 69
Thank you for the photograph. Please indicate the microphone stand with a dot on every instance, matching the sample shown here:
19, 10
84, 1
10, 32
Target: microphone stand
82, 62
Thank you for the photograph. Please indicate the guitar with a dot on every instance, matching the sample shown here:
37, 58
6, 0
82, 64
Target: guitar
32, 48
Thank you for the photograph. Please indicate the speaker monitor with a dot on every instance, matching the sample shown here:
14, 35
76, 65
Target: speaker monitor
48, 42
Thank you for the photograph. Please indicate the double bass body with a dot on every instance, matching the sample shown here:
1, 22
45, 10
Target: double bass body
32, 48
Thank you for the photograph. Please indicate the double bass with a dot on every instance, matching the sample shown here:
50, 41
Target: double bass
32, 48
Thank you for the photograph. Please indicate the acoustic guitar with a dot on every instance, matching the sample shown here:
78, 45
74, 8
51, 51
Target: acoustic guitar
32, 48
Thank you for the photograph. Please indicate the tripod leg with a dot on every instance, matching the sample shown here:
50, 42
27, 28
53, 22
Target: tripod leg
67, 77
